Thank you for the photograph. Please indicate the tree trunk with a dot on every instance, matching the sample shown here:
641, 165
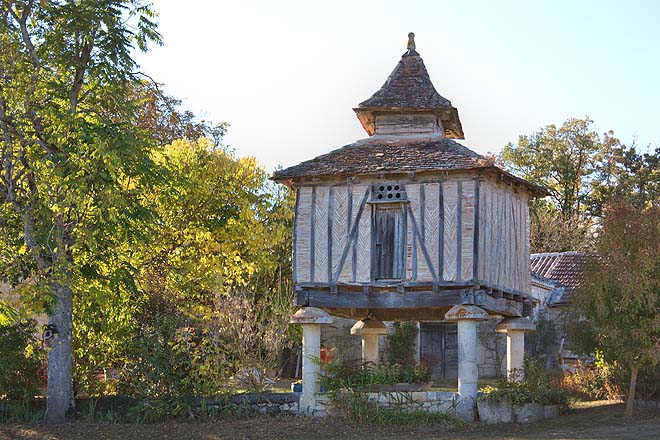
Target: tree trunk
60, 358
631, 391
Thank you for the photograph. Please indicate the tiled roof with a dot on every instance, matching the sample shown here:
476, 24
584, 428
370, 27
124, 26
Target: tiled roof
389, 154
382, 155
565, 269
408, 86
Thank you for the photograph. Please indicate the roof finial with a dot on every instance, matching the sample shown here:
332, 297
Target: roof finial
411, 43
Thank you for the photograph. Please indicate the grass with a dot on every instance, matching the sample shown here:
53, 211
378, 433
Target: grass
590, 420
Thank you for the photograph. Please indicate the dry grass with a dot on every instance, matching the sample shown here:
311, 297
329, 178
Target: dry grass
592, 420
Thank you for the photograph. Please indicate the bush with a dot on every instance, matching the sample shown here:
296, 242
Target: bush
536, 388
401, 343
353, 375
22, 359
602, 380
359, 408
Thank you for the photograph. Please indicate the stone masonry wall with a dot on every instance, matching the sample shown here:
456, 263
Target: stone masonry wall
429, 401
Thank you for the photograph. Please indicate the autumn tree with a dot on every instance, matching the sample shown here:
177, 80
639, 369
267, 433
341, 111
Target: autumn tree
72, 153
620, 299
562, 159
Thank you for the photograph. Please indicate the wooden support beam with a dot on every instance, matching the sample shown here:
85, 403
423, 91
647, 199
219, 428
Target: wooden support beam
383, 300
401, 303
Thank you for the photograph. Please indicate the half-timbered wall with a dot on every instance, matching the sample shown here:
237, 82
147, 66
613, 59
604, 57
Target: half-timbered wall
462, 230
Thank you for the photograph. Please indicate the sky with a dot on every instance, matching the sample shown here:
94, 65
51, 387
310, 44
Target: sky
286, 74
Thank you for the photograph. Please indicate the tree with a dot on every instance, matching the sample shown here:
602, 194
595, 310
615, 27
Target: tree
72, 154
562, 159
624, 174
620, 298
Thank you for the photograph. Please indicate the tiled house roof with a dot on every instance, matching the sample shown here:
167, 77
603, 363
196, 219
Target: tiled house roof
565, 269
376, 156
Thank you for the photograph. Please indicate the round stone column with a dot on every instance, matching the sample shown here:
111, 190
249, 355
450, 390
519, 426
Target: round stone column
311, 319
369, 330
467, 317
515, 329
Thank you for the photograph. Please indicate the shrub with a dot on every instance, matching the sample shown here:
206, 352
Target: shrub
21, 356
357, 375
602, 380
536, 388
401, 343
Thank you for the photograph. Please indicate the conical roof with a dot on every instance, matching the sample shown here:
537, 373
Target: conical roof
408, 86
409, 89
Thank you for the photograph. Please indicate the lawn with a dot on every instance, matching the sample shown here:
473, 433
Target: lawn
594, 420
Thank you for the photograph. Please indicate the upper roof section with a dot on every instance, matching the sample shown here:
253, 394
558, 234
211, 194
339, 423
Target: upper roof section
409, 89
564, 269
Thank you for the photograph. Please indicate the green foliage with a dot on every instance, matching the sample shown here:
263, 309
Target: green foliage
349, 375
358, 407
562, 159
602, 380
72, 154
543, 343
22, 358
24, 410
401, 342
536, 388
620, 297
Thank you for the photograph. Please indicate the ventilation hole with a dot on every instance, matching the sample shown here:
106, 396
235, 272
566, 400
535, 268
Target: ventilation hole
389, 187
389, 196
382, 188
398, 196
380, 196
396, 187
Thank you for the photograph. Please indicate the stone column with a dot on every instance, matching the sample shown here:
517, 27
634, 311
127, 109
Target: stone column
311, 319
515, 329
467, 317
369, 330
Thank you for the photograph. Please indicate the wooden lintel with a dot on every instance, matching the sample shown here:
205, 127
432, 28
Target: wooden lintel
382, 300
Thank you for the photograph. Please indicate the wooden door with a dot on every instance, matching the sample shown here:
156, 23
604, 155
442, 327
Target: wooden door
389, 243
439, 347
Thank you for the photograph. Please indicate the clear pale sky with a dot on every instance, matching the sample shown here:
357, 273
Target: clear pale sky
286, 74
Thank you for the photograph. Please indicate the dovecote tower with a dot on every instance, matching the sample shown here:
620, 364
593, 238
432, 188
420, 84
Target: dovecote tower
408, 224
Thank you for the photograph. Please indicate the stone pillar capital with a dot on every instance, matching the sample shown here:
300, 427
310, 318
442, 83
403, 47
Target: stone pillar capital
311, 315
369, 327
462, 312
515, 325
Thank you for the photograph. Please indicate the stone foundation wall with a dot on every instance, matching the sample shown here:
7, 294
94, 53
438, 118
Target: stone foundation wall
267, 403
430, 401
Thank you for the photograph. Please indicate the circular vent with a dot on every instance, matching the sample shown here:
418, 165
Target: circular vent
389, 192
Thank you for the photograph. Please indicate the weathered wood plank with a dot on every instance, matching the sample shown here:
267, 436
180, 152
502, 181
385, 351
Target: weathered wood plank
450, 198
363, 244
431, 223
459, 232
384, 300
339, 226
468, 198
350, 242
416, 232
302, 233
321, 241
476, 236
